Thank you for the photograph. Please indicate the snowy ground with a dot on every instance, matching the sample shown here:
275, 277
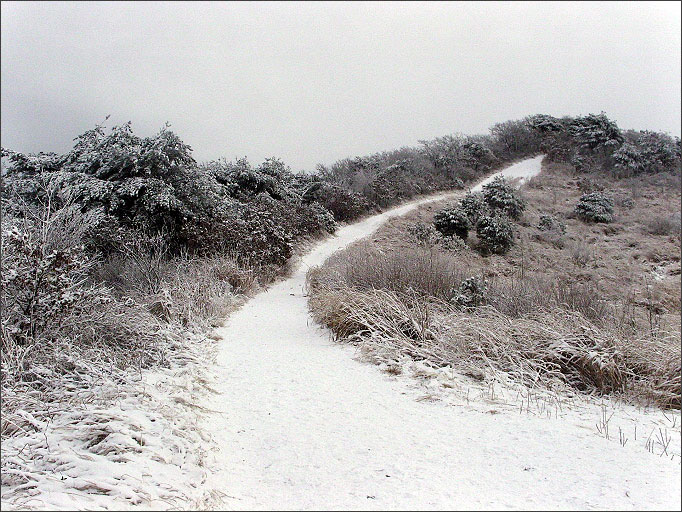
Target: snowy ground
287, 419
304, 425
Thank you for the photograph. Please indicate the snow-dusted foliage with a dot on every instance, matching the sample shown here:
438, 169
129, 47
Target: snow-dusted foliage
452, 221
152, 184
473, 205
41, 285
501, 197
596, 131
648, 152
551, 223
345, 205
460, 156
471, 293
595, 207
495, 233
442, 163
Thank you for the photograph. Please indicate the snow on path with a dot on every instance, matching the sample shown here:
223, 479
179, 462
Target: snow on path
302, 425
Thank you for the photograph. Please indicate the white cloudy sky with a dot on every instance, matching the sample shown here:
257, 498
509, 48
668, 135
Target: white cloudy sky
312, 82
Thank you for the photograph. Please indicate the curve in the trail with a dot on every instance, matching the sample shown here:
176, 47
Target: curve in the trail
302, 425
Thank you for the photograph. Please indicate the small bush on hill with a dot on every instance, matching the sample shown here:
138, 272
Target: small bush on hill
471, 294
495, 234
453, 244
425, 235
551, 223
595, 207
501, 197
667, 226
452, 221
474, 206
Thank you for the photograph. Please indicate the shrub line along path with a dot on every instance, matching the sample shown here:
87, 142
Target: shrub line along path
302, 425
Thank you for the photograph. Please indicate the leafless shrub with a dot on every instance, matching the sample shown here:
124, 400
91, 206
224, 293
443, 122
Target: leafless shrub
201, 292
664, 226
70, 321
580, 253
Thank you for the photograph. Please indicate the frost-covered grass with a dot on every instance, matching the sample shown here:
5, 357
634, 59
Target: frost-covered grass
555, 349
101, 364
113, 440
538, 320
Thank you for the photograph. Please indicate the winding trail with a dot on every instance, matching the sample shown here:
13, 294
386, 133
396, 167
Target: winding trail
302, 425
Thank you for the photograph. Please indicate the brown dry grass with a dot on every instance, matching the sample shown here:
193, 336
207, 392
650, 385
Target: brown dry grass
583, 308
618, 260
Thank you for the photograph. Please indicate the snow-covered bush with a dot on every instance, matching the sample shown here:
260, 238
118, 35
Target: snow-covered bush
258, 238
459, 157
452, 221
471, 293
595, 207
345, 205
41, 285
453, 244
551, 223
424, 234
545, 124
501, 197
315, 218
595, 132
552, 230
495, 234
474, 206
126, 185
648, 153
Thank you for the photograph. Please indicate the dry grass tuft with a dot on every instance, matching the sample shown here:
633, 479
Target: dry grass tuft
555, 349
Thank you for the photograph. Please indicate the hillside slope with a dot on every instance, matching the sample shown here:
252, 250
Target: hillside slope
301, 425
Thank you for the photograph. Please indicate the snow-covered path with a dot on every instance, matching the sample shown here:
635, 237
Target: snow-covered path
302, 425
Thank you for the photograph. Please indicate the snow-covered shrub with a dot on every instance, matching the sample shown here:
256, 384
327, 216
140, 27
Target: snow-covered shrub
551, 223
316, 219
595, 207
501, 197
544, 124
453, 244
495, 234
41, 285
474, 206
452, 221
459, 157
595, 132
424, 234
648, 153
343, 204
552, 230
471, 293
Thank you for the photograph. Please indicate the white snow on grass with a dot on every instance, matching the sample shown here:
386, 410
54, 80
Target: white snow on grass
304, 425
288, 419
129, 443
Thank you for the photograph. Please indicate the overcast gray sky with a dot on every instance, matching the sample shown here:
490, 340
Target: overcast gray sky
313, 83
